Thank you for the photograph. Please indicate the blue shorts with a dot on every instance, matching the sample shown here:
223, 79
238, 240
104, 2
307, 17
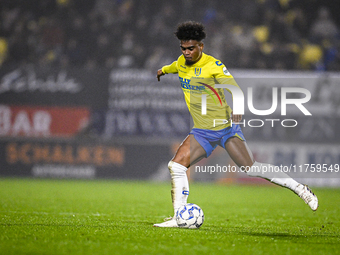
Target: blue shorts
209, 139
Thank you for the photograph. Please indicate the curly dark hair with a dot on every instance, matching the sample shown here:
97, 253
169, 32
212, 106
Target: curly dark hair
190, 30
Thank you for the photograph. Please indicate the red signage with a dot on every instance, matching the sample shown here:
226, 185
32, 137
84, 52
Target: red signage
42, 121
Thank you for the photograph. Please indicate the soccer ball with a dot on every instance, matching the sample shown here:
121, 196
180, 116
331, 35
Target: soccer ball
189, 216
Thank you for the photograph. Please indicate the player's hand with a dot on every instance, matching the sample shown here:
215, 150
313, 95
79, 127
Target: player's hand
159, 74
236, 117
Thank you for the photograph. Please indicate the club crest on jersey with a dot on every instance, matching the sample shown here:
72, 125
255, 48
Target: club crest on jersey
198, 71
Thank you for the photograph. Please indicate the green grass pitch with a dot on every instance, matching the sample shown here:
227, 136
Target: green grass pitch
40, 216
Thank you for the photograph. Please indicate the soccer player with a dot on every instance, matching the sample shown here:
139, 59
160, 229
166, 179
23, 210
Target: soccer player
198, 73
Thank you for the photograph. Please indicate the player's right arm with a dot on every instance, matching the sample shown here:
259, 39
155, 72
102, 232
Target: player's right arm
167, 69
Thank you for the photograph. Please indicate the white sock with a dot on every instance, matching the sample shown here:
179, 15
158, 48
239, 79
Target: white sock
273, 174
180, 184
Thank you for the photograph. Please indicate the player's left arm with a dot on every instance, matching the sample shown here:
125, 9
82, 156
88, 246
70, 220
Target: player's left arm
223, 76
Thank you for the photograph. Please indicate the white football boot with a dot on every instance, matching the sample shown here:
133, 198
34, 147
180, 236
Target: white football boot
168, 223
308, 196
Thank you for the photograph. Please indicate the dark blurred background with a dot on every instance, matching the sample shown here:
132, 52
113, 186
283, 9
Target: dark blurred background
262, 34
79, 96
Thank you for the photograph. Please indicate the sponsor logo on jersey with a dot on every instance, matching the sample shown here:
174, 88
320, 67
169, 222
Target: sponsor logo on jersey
185, 83
218, 63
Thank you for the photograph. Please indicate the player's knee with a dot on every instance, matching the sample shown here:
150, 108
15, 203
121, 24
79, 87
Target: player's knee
182, 158
176, 167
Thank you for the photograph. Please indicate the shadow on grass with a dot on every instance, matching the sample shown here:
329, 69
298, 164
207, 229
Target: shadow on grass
321, 237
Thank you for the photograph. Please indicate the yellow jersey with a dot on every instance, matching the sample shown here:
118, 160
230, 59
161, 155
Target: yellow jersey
199, 79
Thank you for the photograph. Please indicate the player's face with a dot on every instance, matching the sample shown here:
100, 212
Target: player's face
192, 51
